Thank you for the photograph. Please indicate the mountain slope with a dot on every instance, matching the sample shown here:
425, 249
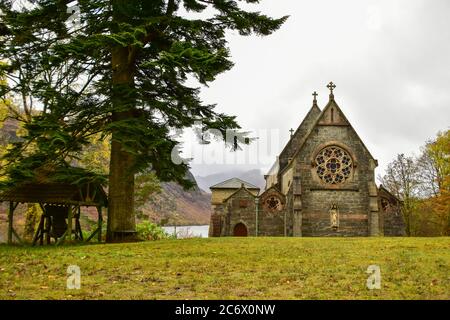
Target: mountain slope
187, 207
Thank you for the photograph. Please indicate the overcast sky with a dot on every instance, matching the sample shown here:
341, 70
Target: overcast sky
389, 59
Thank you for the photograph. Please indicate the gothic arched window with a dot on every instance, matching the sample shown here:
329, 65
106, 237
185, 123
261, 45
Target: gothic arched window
334, 165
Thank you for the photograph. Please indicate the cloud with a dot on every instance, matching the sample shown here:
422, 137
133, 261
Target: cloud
389, 59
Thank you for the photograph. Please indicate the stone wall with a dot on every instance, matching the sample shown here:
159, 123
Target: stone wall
272, 221
392, 223
217, 220
241, 208
352, 213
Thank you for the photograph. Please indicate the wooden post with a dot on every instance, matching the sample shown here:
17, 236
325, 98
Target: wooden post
39, 231
100, 223
10, 222
11, 231
48, 227
69, 222
78, 231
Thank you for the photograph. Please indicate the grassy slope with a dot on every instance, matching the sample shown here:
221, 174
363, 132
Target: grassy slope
229, 268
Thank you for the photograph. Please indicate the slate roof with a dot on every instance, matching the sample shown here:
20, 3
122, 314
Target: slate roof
234, 183
302, 130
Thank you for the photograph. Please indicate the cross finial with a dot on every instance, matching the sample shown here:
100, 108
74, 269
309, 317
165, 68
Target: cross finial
331, 86
292, 132
315, 94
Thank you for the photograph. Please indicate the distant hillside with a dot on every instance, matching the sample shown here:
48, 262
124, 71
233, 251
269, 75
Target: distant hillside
253, 176
192, 206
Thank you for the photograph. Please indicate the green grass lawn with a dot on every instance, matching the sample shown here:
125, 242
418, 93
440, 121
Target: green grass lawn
232, 268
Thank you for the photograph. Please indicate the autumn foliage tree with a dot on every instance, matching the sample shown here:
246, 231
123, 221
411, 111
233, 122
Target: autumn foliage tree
437, 207
401, 179
423, 185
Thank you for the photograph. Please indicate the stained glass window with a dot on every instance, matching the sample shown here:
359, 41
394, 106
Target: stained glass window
334, 165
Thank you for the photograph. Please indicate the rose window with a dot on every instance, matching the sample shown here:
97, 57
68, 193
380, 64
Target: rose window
273, 203
334, 165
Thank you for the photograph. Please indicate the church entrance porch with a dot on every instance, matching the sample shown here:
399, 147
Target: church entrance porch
240, 230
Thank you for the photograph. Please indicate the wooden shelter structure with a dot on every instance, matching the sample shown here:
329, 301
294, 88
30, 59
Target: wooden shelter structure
61, 206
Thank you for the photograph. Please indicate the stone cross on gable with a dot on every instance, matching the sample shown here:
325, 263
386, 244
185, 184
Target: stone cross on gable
315, 94
292, 132
331, 86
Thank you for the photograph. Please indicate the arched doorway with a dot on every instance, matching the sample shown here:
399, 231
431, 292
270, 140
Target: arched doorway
240, 230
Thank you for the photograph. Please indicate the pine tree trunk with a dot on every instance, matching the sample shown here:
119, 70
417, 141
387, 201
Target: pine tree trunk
121, 217
121, 224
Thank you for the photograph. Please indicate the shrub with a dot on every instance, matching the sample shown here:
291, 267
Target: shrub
150, 231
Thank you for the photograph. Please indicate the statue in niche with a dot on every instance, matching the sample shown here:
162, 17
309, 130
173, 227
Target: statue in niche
334, 216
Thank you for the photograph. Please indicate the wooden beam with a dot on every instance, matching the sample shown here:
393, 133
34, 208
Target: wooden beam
78, 231
46, 226
93, 234
10, 222
47, 229
39, 230
17, 236
94, 194
100, 224
61, 240
69, 222
42, 208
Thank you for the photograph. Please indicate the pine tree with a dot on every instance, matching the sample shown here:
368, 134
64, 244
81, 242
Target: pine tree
119, 68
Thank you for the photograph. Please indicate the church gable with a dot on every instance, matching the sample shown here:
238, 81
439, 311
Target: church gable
332, 115
272, 200
241, 193
271, 193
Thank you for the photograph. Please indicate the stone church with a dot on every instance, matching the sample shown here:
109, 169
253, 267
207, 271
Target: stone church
322, 184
